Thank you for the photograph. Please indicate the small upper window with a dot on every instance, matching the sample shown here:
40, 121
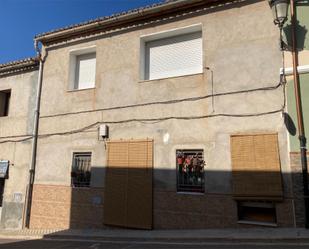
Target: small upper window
172, 56
85, 71
82, 69
5, 97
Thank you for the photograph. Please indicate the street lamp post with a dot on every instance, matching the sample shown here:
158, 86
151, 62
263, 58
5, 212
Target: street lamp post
280, 10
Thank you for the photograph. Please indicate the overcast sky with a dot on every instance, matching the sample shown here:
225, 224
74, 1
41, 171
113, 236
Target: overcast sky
21, 20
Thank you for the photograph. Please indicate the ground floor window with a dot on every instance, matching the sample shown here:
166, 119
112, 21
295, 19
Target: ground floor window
190, 170
257, 212
2, 181
81, 169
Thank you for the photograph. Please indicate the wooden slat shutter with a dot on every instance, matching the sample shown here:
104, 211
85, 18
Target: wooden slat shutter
128, 184
256, 167
139, 202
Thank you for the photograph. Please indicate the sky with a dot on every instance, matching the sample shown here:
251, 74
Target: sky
21, 20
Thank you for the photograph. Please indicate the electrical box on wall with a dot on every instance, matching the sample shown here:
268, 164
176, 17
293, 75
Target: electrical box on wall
103, 131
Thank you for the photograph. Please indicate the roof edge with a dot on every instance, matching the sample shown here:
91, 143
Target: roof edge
23, 65
122, 18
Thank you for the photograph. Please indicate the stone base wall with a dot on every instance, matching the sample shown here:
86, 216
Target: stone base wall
11, 215
181, 211
185, 211
298, 189
63, 207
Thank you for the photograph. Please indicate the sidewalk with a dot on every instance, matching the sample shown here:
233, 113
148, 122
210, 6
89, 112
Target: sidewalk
207, 235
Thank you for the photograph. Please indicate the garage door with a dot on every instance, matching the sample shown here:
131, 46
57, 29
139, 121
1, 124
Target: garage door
128, 184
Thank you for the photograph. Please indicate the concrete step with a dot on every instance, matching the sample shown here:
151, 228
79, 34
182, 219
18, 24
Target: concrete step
214, 239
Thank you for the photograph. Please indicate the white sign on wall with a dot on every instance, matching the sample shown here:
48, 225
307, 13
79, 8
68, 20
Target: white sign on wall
18, 197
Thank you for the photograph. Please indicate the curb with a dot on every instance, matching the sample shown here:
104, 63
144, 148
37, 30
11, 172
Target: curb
178, 239
284, 236
21, 237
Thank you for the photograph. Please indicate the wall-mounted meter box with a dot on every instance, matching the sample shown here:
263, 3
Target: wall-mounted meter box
103, 131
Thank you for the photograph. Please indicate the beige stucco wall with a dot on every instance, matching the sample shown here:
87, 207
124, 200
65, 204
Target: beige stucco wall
17, 123
240, 45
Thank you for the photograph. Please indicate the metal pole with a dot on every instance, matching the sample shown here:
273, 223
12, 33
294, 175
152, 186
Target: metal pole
300, 121
35, 140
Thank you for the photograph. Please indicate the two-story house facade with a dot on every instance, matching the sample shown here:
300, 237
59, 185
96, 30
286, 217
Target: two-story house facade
172, 116
18, 81
164, 117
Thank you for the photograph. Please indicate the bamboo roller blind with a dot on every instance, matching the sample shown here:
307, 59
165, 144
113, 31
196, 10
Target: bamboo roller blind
128, 184
256, 167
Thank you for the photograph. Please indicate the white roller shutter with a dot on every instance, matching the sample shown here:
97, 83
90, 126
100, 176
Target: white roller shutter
85, 71
174, 56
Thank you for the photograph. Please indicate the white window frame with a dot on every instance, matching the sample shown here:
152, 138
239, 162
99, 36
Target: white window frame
162, 35
72, 66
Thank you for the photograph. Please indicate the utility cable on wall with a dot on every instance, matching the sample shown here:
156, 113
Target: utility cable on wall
156, 120
16, 141
167, 102
147, 120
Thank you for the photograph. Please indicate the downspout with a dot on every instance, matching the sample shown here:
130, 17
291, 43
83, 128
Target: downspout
300, 120
28, 200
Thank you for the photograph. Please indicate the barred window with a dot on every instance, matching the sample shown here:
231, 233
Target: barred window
190, 170
81, 169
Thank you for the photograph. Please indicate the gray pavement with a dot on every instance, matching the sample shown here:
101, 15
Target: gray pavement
77, 244
262, 238
206, 235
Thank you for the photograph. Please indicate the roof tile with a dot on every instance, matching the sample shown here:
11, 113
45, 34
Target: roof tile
131, 11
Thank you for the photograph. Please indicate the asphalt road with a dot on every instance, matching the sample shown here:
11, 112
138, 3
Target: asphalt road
73, 244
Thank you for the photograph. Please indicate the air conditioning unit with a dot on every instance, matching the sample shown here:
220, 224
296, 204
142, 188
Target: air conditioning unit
103, 131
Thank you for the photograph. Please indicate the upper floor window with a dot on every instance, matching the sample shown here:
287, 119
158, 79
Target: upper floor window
82, 69
172, 54
5, 97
